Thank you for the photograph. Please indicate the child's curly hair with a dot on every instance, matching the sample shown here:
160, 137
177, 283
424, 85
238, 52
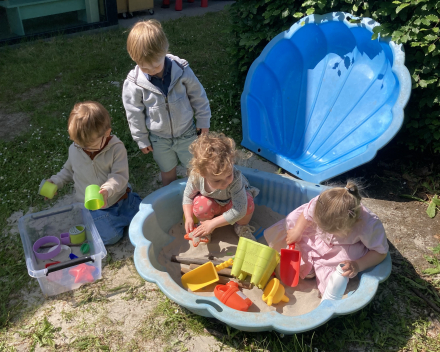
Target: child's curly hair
213, 154
338, 209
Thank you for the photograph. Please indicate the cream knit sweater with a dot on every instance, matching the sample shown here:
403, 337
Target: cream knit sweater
109, 170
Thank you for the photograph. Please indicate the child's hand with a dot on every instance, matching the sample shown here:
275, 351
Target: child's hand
189, 224
205, 228
146, 150
293, 236
351, 268
50, 181
104, 193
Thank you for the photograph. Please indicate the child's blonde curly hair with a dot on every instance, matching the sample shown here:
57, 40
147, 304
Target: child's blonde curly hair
213, 154
338, 209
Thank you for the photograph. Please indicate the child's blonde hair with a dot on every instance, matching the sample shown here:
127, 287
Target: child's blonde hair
87, 121
213, 154
338, 209
147, 42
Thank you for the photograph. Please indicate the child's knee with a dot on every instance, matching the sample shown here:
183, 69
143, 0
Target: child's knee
250, 204
204, 208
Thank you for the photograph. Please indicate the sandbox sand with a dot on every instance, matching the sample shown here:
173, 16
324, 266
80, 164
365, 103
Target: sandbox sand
302, 299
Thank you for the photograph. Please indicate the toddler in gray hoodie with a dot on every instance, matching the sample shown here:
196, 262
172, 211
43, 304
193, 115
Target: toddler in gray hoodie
161, 96
96, 157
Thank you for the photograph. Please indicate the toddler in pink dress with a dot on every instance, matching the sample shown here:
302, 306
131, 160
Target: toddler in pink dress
332, 228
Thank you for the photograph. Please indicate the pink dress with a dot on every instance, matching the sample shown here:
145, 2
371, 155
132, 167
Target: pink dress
322, 250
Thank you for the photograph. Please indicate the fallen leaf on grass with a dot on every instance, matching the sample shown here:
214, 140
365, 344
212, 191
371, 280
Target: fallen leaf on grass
432, 206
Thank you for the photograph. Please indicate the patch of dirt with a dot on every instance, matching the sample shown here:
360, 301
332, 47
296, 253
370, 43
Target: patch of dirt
13, 124
408, 228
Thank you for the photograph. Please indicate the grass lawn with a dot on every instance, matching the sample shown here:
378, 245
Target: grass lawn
44, 79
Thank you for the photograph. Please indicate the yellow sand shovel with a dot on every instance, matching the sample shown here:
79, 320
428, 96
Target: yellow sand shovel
204, 275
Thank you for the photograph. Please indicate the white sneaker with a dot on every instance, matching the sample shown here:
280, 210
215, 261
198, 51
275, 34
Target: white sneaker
245, 231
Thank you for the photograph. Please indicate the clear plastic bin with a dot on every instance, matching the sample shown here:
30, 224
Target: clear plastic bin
56, 278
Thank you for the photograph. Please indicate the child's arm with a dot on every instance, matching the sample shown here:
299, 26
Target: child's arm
295, 233
64, 176
189, 193
372, 258
198, 100
135, 111
118, 177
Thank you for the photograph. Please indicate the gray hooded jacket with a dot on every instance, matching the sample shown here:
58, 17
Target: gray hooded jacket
148, 109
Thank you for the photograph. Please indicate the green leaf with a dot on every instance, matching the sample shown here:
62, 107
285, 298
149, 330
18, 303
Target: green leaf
377, 29
285, 13
298, 14
431, 37
435, 200
432, 18
423, 83
431, 48
355, 8
435, 29
401, 7
310, 11
431, 271
431, 210
374, 36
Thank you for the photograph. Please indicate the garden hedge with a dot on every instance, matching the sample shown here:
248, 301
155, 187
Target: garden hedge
414, 23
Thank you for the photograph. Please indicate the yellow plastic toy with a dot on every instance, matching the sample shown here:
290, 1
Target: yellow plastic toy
255, 259
204, 275
274, 293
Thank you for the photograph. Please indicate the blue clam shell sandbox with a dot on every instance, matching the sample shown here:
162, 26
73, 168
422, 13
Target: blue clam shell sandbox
162, 209
323, 97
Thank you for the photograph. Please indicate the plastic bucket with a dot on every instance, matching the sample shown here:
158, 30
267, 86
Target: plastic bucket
93, 199
47, 189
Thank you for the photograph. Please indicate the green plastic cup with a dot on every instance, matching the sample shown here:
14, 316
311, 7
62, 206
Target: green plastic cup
47, 189
93, 199
77, 234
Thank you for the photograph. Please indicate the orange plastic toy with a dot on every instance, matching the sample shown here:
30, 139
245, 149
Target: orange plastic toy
230, 295
197, 240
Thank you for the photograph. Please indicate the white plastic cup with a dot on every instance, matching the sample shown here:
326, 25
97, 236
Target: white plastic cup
336, 286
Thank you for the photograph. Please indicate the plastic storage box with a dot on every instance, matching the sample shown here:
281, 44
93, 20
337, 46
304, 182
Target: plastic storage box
56, 278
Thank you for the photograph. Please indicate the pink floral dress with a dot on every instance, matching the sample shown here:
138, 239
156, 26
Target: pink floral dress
324, 251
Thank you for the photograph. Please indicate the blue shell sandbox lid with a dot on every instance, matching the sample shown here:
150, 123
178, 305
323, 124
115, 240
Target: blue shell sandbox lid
162, 209
323, 97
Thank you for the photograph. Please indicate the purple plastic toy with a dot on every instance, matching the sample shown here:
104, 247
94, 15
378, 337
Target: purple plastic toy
45, 240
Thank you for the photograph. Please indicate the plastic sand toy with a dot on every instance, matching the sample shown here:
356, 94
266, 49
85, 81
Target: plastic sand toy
231, 296
256, 259
274, 293
204, 275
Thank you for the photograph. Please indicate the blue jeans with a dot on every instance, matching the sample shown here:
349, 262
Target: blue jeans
111, 221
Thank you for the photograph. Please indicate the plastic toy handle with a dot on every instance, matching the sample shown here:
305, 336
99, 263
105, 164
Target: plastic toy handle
225, 264
269, 301
68, 264
292, 246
